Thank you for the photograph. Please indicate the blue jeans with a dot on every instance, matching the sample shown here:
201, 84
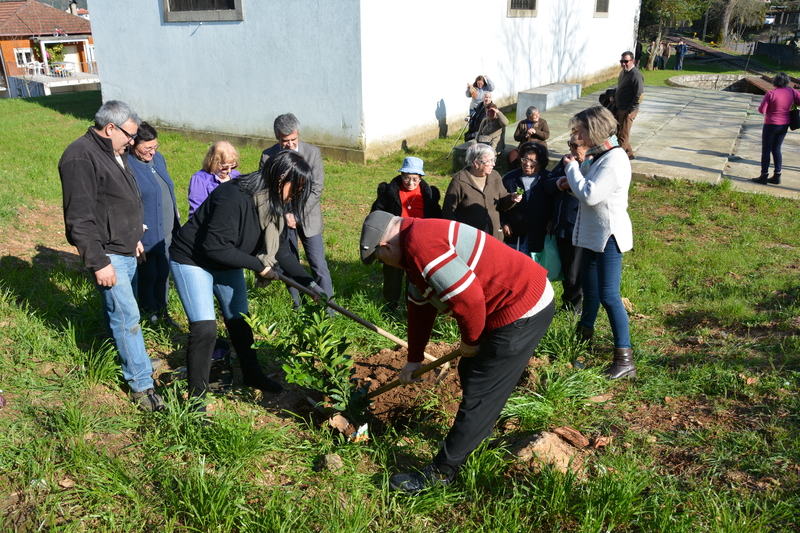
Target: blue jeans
772, 136
197, 288
601, 274
121, 318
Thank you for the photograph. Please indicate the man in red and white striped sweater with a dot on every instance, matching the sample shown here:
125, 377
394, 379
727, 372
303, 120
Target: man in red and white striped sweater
499, 297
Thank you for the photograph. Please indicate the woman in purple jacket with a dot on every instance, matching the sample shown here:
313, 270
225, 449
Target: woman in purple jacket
219, 166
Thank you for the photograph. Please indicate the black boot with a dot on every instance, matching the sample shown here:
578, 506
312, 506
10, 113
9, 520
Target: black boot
762, 179
202, 336
584, 334
623, 366
242, 339
775, 179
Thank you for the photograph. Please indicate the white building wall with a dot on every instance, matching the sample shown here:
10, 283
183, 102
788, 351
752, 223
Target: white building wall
359, 74
419, 55
235, 77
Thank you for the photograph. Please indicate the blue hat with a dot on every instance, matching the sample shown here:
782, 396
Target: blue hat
412, 165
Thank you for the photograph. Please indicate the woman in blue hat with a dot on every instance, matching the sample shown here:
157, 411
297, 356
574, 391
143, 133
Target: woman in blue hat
407, 195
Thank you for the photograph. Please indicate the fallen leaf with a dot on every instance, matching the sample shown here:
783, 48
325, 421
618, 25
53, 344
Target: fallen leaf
572, 436
602, 398
599, 442
339, 422
751, 381
627, 304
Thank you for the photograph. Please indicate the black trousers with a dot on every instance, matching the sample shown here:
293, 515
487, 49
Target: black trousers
152, 284
571, 257
487, 381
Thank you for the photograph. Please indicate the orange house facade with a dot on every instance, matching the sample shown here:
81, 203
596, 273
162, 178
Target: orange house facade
45, 50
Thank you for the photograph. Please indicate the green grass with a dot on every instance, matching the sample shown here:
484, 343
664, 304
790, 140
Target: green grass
706, 439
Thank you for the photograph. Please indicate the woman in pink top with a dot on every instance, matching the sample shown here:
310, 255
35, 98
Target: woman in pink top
775, 106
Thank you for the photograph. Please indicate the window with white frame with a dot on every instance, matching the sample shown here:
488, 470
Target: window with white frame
522, 8
202, 10
23, 56
601, 8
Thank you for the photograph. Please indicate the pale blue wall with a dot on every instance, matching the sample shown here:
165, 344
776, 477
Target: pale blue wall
301, 56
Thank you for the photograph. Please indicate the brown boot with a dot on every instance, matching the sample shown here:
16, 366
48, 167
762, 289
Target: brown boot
623, 366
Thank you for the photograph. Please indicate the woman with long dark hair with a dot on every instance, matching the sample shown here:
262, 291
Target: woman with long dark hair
775, 106
239, 226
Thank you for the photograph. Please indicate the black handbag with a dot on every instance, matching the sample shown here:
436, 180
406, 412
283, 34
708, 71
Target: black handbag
794, 118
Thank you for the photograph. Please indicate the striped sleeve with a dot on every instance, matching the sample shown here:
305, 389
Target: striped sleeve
452, 272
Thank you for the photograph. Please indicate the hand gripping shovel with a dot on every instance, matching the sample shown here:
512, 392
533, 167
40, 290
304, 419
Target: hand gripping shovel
292, 283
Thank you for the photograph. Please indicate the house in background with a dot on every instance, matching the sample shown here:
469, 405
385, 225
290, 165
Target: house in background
363, 77
45, 50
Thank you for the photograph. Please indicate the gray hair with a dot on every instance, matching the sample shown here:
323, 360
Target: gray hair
781, 79
285, 124
598, 120
115, 112
530, 111
478, 150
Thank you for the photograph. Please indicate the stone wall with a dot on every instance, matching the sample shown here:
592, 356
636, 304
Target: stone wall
712, 82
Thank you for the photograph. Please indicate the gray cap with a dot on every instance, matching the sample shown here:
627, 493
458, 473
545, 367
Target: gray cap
372, 234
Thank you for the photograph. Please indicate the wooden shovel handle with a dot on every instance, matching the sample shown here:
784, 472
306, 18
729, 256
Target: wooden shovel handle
369, 325
417, 373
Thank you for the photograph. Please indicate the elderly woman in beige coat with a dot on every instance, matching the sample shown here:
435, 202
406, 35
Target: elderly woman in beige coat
476, 194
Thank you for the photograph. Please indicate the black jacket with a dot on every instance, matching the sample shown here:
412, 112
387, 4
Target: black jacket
531, 215
565, 205
103, 210
475, 122
224, 234
389, 199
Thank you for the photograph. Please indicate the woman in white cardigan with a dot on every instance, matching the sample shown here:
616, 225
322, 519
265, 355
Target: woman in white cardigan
603, 228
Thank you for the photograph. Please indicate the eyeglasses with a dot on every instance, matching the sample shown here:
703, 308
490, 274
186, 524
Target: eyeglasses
528, 161
130, 137
410, 179
624, 61
229, 167
149, 149
491, 161
573, 146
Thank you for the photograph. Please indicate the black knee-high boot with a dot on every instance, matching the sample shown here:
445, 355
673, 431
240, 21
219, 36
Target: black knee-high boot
242, 339
202, 336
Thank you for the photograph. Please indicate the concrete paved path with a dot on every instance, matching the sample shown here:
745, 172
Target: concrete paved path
696, 135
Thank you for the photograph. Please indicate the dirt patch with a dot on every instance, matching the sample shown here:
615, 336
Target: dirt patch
37, 236
437, 396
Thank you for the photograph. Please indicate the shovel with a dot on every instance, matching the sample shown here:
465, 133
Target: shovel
292, 283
